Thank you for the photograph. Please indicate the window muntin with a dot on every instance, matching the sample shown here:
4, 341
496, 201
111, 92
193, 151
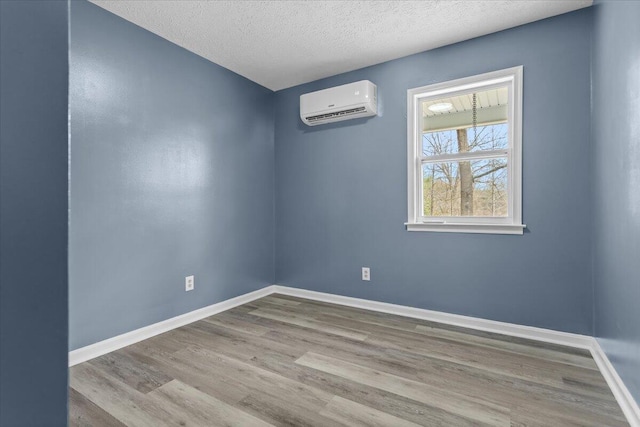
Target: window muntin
465, 154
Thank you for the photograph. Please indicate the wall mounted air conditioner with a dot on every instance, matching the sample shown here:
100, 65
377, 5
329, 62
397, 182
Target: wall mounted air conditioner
358, 99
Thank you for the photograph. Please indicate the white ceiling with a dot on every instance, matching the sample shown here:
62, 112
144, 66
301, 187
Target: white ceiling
280, 44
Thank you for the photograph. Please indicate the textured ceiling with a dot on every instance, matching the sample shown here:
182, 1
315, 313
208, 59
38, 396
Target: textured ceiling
280, 44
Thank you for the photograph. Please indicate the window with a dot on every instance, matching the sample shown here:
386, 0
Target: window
465, 155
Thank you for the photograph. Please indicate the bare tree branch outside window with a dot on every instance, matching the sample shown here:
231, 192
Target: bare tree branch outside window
465, 188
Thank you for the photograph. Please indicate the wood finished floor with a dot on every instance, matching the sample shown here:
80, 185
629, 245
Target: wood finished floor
287, 361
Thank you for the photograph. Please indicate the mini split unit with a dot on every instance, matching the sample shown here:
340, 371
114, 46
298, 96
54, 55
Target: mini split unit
350, 101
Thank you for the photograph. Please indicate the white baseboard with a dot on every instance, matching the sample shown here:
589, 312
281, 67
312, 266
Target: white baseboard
530, 332
620, 391
622, 394
103, 347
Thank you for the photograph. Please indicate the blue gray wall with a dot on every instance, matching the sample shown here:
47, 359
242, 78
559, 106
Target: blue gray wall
171, 175
33, 213
341, 196
616, 185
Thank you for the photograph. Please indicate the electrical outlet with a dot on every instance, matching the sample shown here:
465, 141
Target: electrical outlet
189, 283
366, 274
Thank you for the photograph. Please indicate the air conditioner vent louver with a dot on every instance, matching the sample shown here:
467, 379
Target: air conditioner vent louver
336, 114
339, 103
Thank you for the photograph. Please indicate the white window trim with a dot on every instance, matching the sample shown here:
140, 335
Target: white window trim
507, 225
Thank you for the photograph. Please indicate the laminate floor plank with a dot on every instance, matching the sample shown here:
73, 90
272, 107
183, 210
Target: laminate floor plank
394, 404
236, 324
196, 408
309, 323
124, 403
130, 371
279, 412
517, 366
225, 368
288, 361
278, 300
469, 407
531, 415
580, 360
350, 413
244, 346
257, 380
85, 413
196, 375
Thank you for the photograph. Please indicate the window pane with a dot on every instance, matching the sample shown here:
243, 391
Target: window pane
448, 123
476, 188
491, 137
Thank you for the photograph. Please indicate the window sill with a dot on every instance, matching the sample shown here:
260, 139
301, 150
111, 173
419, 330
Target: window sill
467, 228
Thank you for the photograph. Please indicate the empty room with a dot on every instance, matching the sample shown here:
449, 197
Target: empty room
319, 213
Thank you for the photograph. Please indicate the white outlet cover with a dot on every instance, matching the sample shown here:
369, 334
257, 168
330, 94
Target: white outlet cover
189, 283
366, 273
